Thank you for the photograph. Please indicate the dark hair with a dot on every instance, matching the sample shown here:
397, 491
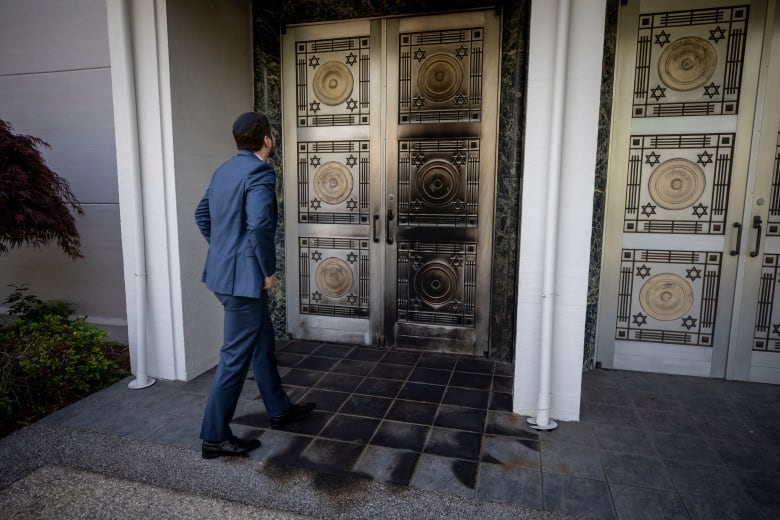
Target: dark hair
250, 129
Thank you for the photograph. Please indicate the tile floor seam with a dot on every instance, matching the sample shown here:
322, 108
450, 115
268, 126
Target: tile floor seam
384, 417
611, 495
438, 406
330, 420
431, 426
484, 432
678, 493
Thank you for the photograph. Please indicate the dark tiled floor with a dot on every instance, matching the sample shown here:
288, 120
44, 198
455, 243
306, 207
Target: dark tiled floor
647, 446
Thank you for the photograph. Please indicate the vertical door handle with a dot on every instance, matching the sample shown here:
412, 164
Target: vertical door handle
375, 233
757, 225
390, 217
738, 225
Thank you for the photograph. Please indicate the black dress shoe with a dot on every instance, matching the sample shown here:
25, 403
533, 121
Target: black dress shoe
228, 448
296, 412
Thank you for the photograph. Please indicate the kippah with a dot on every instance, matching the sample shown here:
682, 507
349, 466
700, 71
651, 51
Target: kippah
245, 122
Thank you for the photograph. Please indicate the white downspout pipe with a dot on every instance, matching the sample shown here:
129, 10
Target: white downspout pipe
542, 420
142, 380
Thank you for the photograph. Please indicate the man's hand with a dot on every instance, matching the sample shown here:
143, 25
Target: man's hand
269, 281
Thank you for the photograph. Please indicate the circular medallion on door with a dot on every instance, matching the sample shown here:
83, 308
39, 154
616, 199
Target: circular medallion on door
333, 182
438, 183
676, 184
666, 296
435, 283
440, 76
687, 64
333, 83
334, 277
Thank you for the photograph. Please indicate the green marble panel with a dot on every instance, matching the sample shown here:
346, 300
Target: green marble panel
599, 191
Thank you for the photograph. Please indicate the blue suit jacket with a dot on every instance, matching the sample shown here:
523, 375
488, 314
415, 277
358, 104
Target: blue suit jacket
237, 216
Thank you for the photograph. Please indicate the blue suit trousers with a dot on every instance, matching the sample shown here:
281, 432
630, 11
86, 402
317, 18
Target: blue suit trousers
248, 339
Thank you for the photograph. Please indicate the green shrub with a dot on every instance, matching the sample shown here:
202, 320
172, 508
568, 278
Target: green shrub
48, 361
32, 308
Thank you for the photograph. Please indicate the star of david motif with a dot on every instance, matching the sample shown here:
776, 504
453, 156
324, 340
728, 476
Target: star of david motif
416, 260
417, 160
316, 256
351, 58
460, 100
315, 161
461, 52
699, 210
352, 299
316, 296
352, 104
717, 34
456, 306
456, 261
694, 273
314, 106
640, 319
416, 205
658, 92
419, 54
351, 161
776, 329
652, 159
643, 271
415, 303
648, 209
458, 159
662, 38
351, 204
705, 158
689, 322
315, 204
418, 102
314, 62
711, 90
457, 206
351, 257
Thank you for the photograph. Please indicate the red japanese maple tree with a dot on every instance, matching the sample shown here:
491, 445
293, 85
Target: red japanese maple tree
36, 204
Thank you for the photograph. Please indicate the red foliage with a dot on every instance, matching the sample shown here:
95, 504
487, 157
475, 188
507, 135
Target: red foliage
35, 202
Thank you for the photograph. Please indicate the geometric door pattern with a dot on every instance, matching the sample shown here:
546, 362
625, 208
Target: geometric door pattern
433, 167
440, 74
678, 183
440, 81
668, 296
333, 182
332, 82
766, 335
688, 63
332, 79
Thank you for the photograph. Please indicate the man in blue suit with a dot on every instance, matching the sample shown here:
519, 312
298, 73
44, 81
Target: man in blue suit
237, 217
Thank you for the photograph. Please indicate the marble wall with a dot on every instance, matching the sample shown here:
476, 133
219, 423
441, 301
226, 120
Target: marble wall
270, 18
599, 191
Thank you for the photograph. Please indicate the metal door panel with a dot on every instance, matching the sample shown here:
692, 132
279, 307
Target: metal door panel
331, 93
441, 179
678, 171
755, 344
390, 210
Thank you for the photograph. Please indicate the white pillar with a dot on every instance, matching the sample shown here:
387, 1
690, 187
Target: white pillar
577, 160
192, 63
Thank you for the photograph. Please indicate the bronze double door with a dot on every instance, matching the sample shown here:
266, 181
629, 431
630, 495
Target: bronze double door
689, 279
389, 164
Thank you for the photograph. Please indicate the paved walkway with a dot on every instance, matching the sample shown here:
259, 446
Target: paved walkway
401, 434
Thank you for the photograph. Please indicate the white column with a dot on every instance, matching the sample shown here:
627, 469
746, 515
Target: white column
578, 160
192, 63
